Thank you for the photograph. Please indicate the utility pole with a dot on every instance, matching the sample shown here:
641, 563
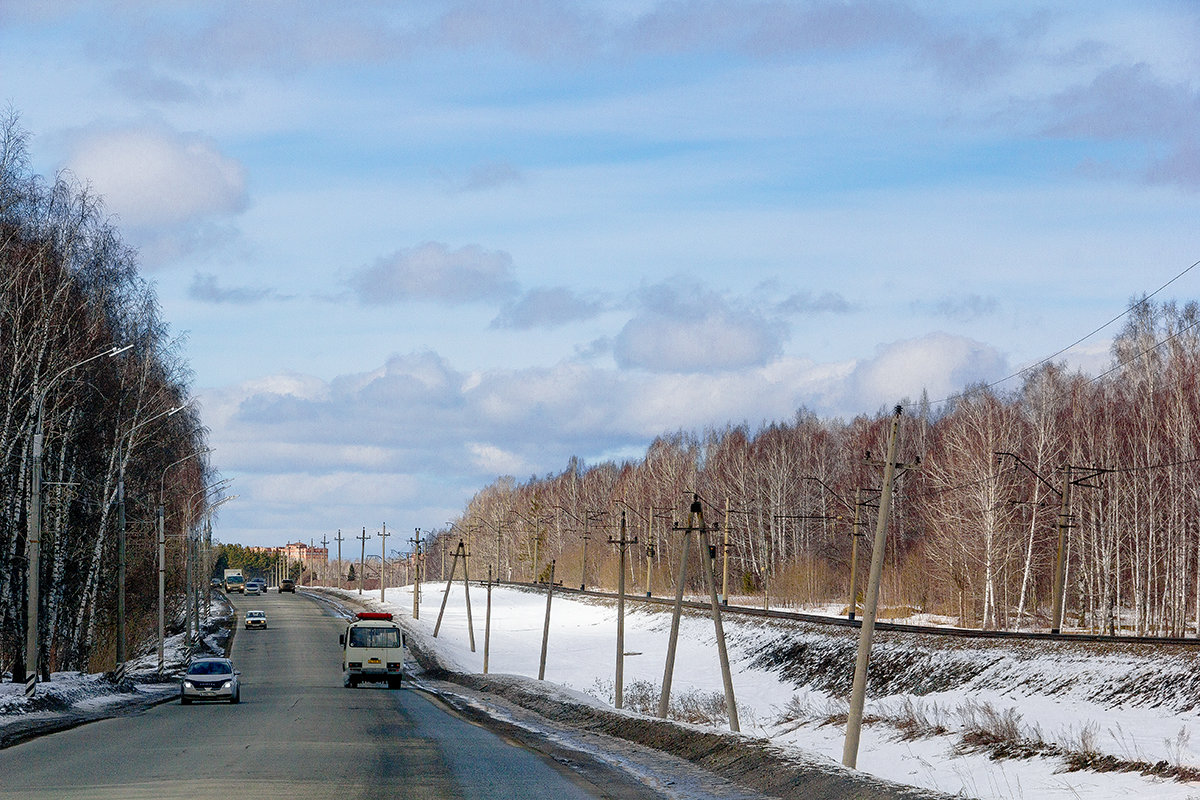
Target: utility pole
546, 625
362, 561
724, 598
416, 574
339, 539
487, 624
649, 548
859, 690
1060, 563
854, 534
622, 543
459, 552
325, 560
383, 535
695, 522
583, 564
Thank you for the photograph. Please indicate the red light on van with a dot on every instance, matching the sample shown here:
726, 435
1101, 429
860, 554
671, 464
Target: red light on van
374, 615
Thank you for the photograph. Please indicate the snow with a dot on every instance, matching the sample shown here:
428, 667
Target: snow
1132, 703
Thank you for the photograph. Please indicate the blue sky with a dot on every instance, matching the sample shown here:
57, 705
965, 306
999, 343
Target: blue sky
413, 246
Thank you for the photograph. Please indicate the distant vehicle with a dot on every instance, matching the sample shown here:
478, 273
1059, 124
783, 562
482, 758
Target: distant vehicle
256, 619
251, 589
287, 585
260, 583
373, 649
234, 582
215, 583
210, 679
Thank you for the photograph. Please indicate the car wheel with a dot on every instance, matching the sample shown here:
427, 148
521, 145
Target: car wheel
237, 698
185, 701
393, 683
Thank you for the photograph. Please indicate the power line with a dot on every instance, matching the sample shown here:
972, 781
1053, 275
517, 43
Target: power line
1074, 344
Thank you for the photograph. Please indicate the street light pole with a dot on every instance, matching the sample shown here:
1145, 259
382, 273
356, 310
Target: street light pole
162, 555
34, 525
121, 456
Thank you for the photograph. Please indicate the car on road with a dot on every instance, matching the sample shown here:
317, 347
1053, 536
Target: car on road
287, 585
252, 588
210, 679
215, 583
256, 619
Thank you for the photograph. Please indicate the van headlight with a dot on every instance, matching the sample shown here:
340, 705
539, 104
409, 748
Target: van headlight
189, 684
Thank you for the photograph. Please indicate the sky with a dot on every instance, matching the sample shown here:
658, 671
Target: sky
407, 248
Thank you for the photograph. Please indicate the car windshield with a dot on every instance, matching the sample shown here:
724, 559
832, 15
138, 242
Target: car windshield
374, 637
210, 668
256, 614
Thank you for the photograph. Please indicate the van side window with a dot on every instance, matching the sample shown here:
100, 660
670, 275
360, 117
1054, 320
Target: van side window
374, 637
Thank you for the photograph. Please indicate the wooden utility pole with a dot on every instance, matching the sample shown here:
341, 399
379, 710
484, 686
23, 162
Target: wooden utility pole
383, 535
416, 541
859, 691
622, 543
362, 561
546, 625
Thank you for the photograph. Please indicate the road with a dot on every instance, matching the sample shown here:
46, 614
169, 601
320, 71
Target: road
296, 734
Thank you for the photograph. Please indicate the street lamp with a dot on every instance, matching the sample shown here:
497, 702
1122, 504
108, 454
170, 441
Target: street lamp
191, 568
162, 554
121, 457
34, 523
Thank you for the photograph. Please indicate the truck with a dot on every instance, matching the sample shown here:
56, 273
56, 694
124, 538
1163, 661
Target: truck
234, 582
373, 649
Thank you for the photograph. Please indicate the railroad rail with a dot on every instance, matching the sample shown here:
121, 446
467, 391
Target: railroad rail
820, 619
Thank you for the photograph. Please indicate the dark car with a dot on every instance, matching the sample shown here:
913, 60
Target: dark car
287, 585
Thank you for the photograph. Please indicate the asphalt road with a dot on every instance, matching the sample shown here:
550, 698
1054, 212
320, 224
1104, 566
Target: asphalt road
296, 734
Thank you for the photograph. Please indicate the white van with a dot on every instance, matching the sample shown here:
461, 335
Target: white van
373, 649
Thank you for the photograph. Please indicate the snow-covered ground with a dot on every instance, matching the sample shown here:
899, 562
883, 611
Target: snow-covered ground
82, 696
982, 719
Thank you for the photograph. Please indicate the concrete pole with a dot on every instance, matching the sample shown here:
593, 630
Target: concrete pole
726, 678
467, 594
339, 538
649, 548
859, 690
416, 612
383, 535
854, 534
449, 582
619, 688
546, 625
33, 546
725, 557
362, 561
487, 623
120, 566
664, 698
1060, 564
162, 586
583, 563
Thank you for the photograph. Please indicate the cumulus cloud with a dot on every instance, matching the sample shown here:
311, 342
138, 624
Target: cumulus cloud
156, 178
434, 272
546, 308
682, 327
938, 363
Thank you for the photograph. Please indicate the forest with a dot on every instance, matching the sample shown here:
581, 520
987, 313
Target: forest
974, 525
83, 346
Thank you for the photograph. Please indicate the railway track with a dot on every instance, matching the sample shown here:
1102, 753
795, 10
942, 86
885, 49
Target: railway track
818, 619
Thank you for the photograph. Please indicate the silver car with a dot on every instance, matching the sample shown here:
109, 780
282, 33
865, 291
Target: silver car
210, 679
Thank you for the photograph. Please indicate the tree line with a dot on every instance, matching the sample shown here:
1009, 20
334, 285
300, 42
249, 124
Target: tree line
70, 291
974, 526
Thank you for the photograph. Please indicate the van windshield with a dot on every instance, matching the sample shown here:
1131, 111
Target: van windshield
374, 637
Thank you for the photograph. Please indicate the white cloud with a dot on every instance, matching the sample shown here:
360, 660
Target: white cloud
938, 363
156, 178
432, 271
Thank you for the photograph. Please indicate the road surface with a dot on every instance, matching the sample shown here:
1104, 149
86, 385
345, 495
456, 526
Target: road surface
296, 734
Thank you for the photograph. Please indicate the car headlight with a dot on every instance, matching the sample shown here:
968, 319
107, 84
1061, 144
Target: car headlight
226, 684
189, 684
